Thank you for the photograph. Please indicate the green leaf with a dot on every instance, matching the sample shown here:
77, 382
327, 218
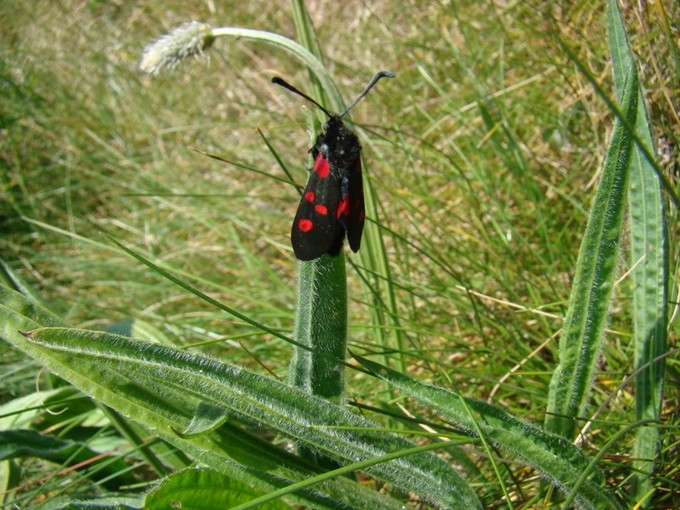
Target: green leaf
593, 281
106, 503
208, 417
13, 281
21, 412
10, 477
22, 313
203, 489
163, 387
556, 459
230, 450
137, 328
649, 259
30, 443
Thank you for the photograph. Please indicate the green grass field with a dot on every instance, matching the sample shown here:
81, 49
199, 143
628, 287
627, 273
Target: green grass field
492, 235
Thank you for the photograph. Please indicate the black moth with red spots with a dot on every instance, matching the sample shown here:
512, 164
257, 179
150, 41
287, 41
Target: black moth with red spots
333, 201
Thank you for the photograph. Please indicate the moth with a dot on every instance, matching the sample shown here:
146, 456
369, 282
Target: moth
332, 205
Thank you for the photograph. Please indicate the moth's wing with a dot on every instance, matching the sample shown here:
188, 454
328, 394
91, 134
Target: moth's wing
351, 205
316, 229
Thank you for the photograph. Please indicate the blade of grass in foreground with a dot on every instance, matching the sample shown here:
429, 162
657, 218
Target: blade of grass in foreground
556, 458
593, 280
649, 258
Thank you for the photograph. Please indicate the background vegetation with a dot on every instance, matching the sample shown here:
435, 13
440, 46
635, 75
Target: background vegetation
484, 153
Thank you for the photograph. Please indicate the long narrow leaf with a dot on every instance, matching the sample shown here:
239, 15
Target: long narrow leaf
163, 387
595, 271
203, 489
230, 450
20, 443
649, 257
557, 459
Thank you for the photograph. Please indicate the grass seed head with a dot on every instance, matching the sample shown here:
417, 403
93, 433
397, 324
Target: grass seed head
188, 40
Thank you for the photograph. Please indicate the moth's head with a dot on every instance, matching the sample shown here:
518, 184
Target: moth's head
334, 127
334, 123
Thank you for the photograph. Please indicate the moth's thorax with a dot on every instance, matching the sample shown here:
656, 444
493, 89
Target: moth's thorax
337, 141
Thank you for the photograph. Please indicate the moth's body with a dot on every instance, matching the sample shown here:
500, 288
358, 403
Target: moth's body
333, 200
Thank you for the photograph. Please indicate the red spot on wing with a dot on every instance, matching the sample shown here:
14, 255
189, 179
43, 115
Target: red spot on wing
310, 196
343, 207
321, 209
305, 225
321, 166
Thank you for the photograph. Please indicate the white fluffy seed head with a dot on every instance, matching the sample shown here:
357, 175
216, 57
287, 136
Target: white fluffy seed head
188, 40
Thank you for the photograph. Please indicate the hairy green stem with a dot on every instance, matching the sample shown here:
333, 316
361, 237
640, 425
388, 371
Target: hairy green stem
321, 325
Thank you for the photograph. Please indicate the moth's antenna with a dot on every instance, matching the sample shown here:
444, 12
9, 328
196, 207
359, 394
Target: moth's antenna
376, 78
286, 85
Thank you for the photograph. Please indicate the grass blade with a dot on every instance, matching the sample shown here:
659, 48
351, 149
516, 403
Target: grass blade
595, 271
649, 258
203, 489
